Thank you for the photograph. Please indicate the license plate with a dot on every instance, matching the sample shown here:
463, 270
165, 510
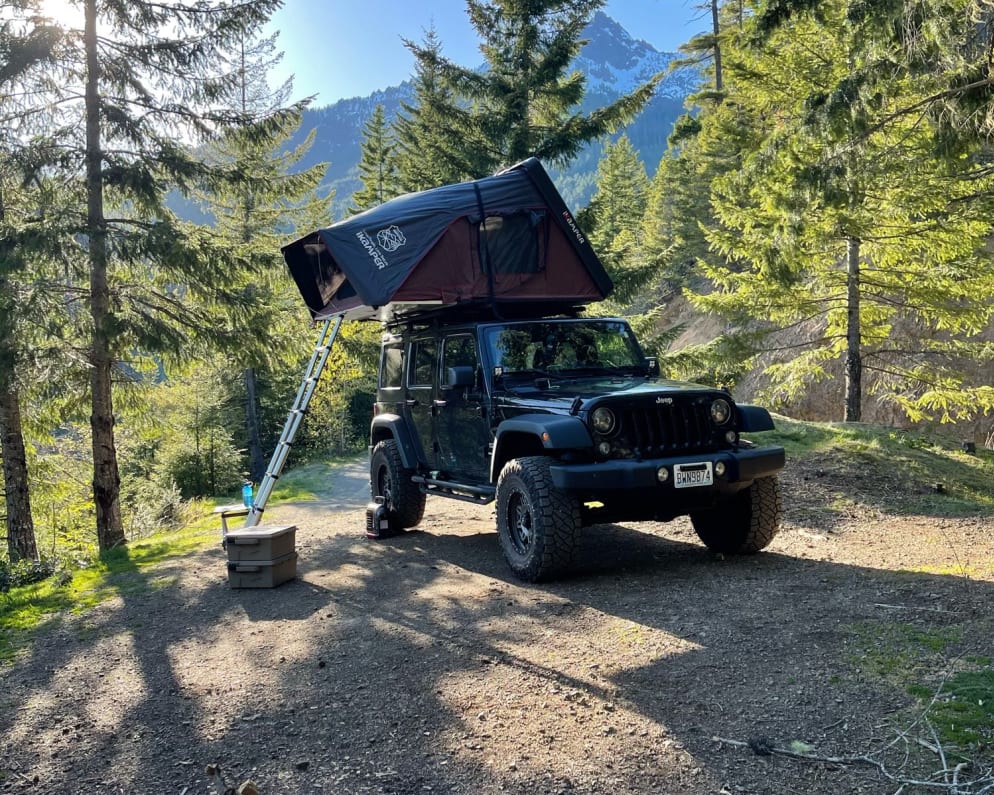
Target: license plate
688, 476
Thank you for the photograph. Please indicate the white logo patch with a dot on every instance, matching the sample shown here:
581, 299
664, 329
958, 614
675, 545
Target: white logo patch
391, 238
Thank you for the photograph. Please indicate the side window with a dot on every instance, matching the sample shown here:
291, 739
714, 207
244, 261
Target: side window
391, 366
423, 358
459, 351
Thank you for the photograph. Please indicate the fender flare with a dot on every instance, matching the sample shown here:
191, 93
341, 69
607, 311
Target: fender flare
552, 431
754, 419
400, 433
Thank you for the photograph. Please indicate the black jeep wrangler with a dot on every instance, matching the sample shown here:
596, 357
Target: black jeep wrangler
565, 422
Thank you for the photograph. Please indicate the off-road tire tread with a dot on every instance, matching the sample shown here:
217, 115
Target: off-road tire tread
754, 515
555, 515
408, 503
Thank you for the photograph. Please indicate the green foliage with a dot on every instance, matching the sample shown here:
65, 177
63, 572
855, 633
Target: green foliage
427, 154
808, 161
524, 103
613, 219
25, 572
377, 165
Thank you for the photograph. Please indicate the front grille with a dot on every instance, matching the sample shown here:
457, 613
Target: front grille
668, 428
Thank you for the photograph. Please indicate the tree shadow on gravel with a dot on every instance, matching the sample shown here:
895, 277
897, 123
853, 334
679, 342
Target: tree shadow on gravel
418, 664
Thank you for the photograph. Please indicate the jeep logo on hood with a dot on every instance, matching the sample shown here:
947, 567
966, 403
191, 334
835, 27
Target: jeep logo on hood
664, 400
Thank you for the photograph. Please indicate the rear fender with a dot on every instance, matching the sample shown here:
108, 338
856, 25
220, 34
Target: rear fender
392, 426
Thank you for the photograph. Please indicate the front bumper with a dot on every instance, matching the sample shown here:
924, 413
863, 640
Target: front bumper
741, 468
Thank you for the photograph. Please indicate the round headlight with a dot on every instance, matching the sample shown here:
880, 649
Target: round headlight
603, 420
720, 411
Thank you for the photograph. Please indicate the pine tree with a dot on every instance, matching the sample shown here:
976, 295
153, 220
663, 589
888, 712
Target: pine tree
845, 217
377, 166
615, 217
524, 103
27, 47
274, 197
135, 89
425, 158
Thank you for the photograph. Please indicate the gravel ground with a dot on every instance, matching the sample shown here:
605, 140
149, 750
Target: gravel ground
419, 665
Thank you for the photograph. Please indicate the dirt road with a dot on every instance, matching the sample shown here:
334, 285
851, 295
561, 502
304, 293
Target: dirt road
418, 665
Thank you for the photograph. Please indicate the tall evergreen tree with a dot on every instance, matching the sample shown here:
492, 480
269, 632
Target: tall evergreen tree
273, 198
377, 166
524, 103
615, 217
846, 217
425, 158
136, 88
27, 46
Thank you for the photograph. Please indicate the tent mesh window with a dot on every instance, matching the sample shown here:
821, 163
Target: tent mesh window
513, 242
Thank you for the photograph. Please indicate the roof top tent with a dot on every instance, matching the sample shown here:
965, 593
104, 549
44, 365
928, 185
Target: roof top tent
503, 242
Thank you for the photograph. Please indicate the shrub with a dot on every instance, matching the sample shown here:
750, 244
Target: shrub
25, 572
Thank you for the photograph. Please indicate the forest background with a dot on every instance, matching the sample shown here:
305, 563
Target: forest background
822, 217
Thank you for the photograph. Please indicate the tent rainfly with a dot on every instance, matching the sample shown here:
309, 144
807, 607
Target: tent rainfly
506, 241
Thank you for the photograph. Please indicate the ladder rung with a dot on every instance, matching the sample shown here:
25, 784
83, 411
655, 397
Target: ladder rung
304, 393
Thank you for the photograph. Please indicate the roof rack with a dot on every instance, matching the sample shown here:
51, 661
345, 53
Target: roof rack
483, 311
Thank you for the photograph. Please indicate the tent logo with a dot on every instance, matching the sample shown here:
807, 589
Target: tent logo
377, 257
572, 225
390, 239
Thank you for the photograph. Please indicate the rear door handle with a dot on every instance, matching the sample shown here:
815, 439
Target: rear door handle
411, 402
438, 403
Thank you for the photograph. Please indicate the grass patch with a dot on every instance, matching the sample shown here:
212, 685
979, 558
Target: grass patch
28, 609
898, 653
963, 710
900, 471
305, 484
960, 707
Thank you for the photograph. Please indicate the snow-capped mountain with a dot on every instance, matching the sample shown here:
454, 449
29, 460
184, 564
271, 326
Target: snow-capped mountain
614, 63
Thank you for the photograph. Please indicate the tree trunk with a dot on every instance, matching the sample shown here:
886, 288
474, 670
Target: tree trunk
715, 29
106, 478
20, 527
257, 462
854, 360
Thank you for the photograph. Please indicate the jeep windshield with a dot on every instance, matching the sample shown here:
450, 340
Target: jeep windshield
565, 349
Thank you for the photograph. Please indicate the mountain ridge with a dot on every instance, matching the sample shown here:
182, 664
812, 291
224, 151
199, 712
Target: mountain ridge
614, 63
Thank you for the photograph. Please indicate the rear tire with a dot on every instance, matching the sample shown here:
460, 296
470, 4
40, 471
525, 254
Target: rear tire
747, 523
537, 524
389, 479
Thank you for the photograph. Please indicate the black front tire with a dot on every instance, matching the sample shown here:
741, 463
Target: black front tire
389, 479
537, 524
747, 523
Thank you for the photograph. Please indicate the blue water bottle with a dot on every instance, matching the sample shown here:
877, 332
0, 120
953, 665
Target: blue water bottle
247, 494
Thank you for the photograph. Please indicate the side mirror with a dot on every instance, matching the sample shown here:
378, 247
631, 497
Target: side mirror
652, 365
460, 377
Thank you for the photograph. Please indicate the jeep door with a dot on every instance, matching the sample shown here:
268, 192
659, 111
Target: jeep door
462, 430
422, 369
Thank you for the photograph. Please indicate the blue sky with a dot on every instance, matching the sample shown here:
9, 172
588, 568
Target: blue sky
349, 48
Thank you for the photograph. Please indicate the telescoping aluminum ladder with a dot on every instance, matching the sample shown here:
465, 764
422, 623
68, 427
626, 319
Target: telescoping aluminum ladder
326, 338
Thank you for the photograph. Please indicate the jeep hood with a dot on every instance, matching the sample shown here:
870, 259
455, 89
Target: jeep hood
564, 393
503, 240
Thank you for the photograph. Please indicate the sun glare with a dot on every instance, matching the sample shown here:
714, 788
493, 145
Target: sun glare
68, 15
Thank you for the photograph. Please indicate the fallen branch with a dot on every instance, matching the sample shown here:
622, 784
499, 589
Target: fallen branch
950, 784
